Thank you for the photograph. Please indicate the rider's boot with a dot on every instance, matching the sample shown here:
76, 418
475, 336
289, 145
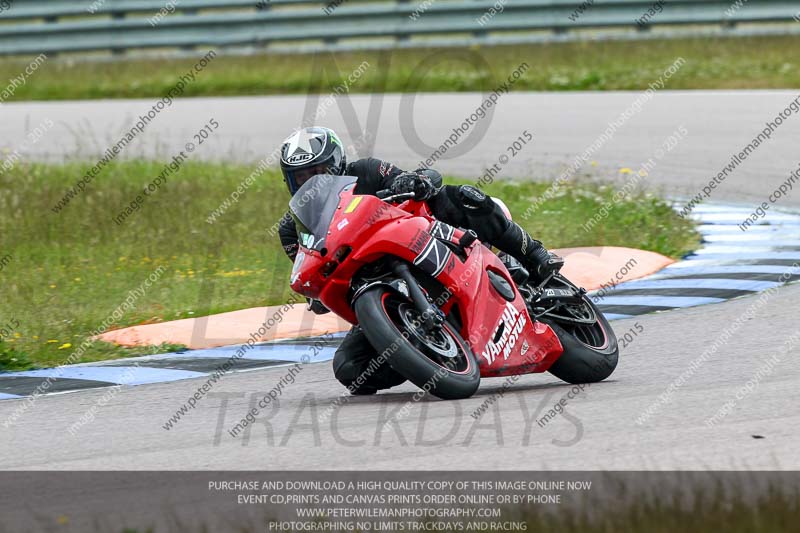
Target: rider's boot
528, 251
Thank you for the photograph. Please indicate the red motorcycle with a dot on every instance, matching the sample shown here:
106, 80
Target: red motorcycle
433, 301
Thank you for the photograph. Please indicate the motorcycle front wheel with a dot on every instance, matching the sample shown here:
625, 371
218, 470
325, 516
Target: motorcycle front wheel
437, 361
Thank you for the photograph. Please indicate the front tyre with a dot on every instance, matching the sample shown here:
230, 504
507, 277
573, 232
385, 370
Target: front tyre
440, 362
590, 353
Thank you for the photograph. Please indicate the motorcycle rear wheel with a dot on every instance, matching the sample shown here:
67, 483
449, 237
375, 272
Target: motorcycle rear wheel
439, 362
591, 353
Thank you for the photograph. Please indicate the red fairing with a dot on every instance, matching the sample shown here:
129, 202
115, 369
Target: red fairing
364, 229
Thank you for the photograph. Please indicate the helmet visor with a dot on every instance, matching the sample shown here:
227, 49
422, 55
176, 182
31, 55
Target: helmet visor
296, 178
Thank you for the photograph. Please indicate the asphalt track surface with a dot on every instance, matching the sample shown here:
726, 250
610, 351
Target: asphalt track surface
599, 430
728, 265
719, 125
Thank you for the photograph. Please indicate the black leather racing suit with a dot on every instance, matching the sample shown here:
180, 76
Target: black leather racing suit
461, 206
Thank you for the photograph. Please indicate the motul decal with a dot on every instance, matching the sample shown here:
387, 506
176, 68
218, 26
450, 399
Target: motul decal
512, 323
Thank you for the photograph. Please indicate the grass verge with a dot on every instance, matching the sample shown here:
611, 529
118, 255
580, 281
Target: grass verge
711, 63
70, 272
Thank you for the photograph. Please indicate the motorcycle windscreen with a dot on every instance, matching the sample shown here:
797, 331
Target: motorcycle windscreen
314, 205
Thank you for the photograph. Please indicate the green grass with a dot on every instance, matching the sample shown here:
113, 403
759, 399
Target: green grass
69, 271
711, 63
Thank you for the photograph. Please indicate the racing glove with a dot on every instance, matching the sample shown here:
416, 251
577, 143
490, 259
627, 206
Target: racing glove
421, 185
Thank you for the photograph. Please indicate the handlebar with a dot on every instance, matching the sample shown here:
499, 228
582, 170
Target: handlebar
387, 196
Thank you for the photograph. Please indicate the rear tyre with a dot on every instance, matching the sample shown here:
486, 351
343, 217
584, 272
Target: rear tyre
440, 362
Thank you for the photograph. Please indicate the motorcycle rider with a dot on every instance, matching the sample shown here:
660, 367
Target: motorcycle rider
316, 150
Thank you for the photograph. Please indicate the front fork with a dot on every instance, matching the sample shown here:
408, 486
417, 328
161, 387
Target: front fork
433, 318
